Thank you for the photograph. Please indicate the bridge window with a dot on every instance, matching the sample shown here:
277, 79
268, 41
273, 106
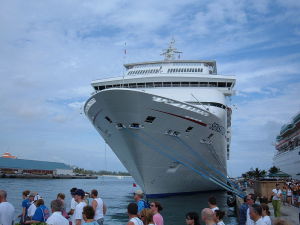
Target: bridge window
132, 85
158, 84
221, 84
149, 85
185, 84
167, 84
229, 84
176, 84
141, 85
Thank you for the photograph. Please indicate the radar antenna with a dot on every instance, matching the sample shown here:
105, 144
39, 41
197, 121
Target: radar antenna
170, 52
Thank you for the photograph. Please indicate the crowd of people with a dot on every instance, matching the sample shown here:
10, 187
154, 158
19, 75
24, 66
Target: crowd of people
291, 193
82, 211
89, 209
142, 213
253, 213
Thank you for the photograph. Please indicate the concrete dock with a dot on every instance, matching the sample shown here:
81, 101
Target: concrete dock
289, 213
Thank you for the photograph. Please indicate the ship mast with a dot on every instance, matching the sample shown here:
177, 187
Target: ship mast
170, 52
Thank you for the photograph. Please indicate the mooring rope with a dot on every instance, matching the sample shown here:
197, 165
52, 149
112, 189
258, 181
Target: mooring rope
205, 162
205, 174
202, 161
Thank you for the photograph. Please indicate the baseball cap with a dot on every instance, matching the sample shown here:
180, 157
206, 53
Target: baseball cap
80, 192
73, 190
31, 194
139, 192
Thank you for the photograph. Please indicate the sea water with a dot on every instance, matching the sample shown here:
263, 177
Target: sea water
117, 193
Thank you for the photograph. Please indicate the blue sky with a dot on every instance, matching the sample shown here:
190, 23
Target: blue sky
50, 51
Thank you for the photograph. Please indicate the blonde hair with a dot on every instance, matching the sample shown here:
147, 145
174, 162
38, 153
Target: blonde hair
148, 216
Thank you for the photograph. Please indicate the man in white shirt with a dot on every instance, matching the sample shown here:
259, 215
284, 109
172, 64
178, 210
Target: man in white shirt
276, 200
99, 207
56, 218
250, 202
73, 205
6, 210
256, 214
33, 197
208, 216
212, 203
79, 198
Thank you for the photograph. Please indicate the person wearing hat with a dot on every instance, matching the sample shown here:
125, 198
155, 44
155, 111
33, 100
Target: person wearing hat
79, 198
73, 205
141, 203
41, 213
32, 207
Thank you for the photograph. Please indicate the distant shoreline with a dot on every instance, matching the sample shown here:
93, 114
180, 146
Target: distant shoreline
33, 176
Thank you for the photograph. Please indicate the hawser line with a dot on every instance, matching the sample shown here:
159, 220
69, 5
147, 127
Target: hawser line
206, 176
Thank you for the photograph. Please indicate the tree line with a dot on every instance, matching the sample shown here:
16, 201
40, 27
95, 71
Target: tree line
257, 173
78, 170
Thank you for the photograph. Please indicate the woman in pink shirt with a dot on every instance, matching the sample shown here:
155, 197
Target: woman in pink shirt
156, 208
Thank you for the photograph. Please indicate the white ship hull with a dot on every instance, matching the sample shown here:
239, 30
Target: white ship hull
162, 164
289, 162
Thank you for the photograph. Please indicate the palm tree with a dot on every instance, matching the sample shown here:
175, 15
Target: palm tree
274, 170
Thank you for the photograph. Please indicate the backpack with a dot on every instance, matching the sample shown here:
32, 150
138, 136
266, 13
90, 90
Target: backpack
146, 204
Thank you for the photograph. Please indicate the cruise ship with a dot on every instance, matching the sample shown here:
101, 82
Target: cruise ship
168, 121
287, 156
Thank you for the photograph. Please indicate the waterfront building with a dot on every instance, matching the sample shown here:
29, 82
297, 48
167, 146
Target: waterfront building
287, 156
24, 166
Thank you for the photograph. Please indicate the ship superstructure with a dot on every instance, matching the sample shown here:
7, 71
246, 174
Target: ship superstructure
287, 156
163, 119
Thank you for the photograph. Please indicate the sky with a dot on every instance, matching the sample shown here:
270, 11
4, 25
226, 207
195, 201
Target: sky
50, 51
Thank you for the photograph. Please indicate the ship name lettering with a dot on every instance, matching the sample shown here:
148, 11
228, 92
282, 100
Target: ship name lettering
179, 105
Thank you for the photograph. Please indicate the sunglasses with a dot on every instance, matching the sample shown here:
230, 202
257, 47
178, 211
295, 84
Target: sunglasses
152, 205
